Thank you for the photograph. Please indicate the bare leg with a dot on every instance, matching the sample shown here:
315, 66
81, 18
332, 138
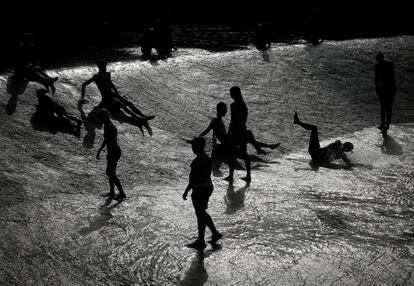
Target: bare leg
259, 145
314, 145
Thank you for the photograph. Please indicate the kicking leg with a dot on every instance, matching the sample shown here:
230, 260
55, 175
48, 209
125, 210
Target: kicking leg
314, 145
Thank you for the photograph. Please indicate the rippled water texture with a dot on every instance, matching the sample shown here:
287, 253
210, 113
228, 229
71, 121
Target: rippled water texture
291, 226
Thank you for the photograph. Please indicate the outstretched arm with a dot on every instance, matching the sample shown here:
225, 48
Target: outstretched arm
210, 126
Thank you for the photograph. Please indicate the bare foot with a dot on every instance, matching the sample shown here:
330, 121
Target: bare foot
274, 146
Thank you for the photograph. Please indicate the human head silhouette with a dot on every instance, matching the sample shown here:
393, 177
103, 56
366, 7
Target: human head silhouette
101, 65
348, 146
235, 93
221, 109
198, 144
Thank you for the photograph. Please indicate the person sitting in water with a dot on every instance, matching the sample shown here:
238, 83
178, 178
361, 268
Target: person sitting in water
323, 156
50, 112
112, 100
27, 68
219, 132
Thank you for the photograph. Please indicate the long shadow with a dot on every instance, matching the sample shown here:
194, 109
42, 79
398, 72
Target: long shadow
314, 166
391, 147
53, 125
100, 221
91, 123
197, 275
235, 199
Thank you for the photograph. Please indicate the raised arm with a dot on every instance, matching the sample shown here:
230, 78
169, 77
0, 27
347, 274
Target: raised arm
84, 86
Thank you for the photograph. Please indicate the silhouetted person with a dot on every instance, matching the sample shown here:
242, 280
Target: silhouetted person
27, 65
111, 100
219, 132
148, 42
163, 37
385, 89
202, 187
323, 156
237, 133
313, 27
113, 153
264, 35
50, 113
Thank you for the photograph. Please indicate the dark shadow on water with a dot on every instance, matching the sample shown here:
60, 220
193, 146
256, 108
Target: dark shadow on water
101, 220
235, 199
266, 56
91, 123
197, 275
334, 166
391, 147
53, 126
332, 219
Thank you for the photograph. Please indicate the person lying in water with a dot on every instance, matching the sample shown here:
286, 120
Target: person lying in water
323, 156
220, 134
51, 113
112, 100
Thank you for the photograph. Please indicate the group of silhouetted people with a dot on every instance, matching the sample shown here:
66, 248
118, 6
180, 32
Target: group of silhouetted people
228, 145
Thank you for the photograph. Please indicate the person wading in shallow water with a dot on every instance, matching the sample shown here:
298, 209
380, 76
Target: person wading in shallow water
113, 154
202, 187
385, 89
237, 133
323, 156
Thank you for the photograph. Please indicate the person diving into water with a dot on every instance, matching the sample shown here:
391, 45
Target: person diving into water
116, 104
323, 156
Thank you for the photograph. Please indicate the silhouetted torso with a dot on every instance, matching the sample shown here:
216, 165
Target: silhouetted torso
219, 129
384, 78
110, 135
263, 35
103, 82
239, 115
200, 175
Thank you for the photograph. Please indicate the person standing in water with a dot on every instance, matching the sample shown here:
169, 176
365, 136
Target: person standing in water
113, 154
202, 187
385, 89
237, 133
